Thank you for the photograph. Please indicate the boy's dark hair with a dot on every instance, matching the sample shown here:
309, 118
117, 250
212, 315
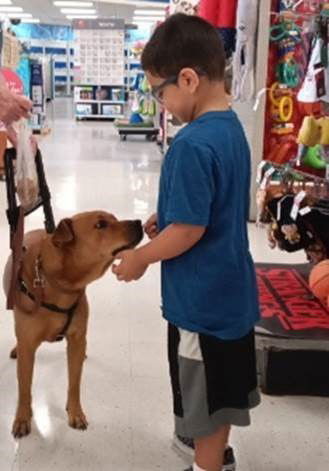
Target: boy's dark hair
185, 41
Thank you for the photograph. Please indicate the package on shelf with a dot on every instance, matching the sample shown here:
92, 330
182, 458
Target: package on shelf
11, 51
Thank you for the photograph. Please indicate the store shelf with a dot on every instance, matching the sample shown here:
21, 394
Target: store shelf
111, 102
99, 116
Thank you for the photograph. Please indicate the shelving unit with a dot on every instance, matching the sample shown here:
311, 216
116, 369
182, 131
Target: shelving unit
58, 55
92, 101
132, 68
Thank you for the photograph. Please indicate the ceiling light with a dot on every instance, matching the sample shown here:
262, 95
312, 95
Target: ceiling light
74, 4
81, 17
18, 15
30, 20
5, 2
148, 12
77, 11
149, 18
10, 9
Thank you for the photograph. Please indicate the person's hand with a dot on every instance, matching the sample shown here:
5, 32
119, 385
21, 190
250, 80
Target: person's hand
12, 107
130, 268
151, 226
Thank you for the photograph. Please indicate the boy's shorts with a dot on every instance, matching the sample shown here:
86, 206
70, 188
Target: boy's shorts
214, 382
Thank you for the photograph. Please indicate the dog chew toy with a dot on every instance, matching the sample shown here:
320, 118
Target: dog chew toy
319, 281
282, 150
324, 124
310, 132
313, 158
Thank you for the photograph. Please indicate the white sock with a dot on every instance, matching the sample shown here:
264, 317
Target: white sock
197, 468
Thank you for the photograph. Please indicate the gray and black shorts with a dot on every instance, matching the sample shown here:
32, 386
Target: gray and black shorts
214, 381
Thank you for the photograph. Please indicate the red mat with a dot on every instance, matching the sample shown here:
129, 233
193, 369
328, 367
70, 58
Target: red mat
288, 307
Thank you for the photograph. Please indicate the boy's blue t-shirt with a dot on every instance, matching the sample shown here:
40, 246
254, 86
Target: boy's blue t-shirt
205, 181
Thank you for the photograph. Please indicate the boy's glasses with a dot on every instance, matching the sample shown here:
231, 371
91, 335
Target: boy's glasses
157, 92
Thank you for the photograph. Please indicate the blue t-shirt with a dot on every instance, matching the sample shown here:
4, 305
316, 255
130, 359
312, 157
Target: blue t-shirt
205, 181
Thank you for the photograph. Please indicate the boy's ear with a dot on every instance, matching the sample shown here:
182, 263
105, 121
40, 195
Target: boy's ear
188, 77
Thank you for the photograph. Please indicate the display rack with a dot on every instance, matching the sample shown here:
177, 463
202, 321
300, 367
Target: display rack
38, 97
57, 57
99, 90
99, 101
143, 111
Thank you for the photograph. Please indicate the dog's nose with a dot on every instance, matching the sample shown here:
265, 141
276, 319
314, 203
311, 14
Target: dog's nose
137, 223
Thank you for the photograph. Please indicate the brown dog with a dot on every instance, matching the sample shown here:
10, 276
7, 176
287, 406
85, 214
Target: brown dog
51, 301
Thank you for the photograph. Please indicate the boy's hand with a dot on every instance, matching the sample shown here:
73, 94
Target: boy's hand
151, 226
131, 267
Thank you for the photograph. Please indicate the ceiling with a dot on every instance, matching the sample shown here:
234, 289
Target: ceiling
48, 13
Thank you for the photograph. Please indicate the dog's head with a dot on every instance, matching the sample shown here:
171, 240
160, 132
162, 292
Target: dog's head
84, 246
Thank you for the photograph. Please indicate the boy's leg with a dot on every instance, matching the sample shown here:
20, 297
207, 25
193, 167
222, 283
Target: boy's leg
209, 451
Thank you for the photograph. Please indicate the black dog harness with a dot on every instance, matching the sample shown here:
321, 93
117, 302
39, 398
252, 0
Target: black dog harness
52, 307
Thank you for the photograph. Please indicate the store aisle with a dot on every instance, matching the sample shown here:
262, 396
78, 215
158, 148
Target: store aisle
125, 381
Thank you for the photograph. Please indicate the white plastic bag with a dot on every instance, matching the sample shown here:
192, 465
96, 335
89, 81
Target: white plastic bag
26, 172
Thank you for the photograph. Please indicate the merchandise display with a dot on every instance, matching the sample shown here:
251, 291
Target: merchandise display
298, 86
143, 114
99, 67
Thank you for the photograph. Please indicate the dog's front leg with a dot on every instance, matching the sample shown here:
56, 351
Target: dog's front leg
76, 352
25, 362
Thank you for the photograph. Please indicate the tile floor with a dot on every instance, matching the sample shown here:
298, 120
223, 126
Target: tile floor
125, 381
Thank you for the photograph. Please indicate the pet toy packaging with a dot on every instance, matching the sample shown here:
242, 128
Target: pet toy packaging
297, 111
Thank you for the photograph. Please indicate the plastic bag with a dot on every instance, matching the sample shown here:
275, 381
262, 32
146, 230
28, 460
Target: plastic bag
26, 175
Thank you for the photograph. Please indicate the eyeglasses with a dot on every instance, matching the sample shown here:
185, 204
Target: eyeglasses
157, 92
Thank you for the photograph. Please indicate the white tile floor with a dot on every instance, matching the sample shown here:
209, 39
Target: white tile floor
125, 382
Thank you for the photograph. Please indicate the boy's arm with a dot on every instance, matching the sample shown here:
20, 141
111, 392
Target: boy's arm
173, 241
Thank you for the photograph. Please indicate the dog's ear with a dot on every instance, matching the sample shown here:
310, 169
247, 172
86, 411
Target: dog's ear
64, 233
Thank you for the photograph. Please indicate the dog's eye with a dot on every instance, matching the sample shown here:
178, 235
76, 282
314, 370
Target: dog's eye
102, 224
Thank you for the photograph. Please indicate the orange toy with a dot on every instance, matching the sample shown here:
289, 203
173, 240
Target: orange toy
319, 281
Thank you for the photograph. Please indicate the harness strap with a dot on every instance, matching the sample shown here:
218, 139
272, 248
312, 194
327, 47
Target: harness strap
52, 307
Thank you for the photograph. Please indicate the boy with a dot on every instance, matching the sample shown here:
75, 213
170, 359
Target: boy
209, 293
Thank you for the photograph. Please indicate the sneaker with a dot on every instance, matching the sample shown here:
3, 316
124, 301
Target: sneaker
229, 463
185, 446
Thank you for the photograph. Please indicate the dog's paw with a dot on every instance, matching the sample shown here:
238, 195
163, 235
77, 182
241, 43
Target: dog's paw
77, 420
21, 427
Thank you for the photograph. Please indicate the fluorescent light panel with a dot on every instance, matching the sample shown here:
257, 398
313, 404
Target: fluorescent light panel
81, 17
10, 9
148, 12
77, 11
74, 4
149, 18
18, 15
5, 2
30, 20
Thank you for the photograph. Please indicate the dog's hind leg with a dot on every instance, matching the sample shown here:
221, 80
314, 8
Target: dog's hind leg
25, 362
76, 352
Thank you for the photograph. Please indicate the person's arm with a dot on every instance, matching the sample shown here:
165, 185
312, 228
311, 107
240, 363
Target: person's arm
173, 241
188, 208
